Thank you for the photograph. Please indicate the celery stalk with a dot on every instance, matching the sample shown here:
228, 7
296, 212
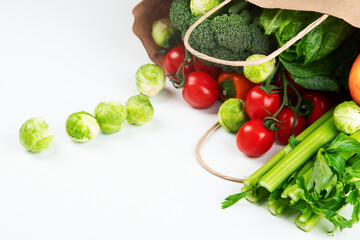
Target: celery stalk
292, 161
276, 207
309, 224
253, 180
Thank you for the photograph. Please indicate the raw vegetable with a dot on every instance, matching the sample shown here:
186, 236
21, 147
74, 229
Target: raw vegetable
354, 80
139, 110
163, 33
150, 79
290, 90
232, 114
111, 116
200, 7
209, 68
315, 104
35, 135
82, 127
347, 117
231, 36
317, 174
260, 104
233, 85
253, 139
259, 73
290, 125
173, 61
200, 90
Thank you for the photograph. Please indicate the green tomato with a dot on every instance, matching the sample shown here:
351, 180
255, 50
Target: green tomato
82, 127
162, 31
35, 135
111, 116
347, 117
139, 110
232, 114
150, 79
259, 73
200, 7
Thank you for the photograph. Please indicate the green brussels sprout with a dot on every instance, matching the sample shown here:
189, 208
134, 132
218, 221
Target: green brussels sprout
232, 114
200, 7
259, 73
139, 110
347, 117
150, 79
82, 127
111, 116
35, 135
162, 32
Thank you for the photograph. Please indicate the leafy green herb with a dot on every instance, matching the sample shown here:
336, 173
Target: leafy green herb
232, 199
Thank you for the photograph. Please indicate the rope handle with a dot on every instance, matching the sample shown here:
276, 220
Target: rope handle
245, 63
204, 165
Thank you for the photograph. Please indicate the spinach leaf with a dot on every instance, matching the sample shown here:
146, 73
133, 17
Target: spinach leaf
319, 82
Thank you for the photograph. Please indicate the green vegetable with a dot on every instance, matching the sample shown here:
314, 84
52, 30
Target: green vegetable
317, 44
347, 117
139, 110
162, 32
259, 73
318, 177
150, 79
35, 135
82, 127
231, 36
200, 7
319, 82
232, 114
111, 116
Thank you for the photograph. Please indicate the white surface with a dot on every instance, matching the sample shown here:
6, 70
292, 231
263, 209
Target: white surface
62, 56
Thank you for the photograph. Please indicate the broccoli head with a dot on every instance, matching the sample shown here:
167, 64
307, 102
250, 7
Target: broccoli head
180, 14
203, 35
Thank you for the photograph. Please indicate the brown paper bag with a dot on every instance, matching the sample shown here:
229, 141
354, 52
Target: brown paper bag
147, 11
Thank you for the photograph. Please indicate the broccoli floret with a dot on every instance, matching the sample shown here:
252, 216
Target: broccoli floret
260, 43
226, 54
202, 36
232, 32
180, 14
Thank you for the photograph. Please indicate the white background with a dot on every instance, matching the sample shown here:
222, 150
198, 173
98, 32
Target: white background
62, 56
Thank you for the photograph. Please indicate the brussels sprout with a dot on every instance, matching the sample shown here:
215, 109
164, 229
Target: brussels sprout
200, 7
347, 117
35, 135
82, 127
139, 110
162, 32
259, 73
150, 79
232, 114
111, 116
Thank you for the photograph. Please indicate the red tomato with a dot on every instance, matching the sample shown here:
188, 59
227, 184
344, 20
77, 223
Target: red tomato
287, 117
199, 65
200, 90
321, 104
253, 139
257, 100
354, 80
173, 60
290, 90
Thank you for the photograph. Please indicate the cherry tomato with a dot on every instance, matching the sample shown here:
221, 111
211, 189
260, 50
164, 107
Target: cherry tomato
211, 69
173, 60
200, 90
290, 90
257, 100
253, 139
233, 85
321, 104
287, 117
354, 80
